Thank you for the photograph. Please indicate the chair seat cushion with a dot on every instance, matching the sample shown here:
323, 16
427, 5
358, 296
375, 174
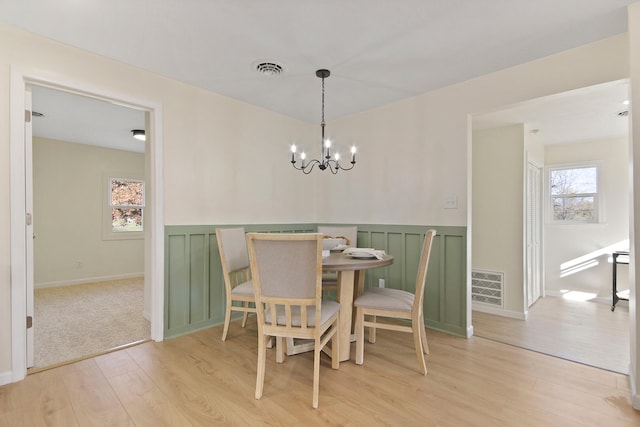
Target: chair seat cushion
328, 310
385, 299
245, 288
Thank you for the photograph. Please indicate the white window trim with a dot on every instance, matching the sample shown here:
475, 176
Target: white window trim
107, 226
598, 197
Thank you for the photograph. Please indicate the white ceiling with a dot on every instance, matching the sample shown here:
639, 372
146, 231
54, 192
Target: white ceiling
592, 113
83, 120
378, 51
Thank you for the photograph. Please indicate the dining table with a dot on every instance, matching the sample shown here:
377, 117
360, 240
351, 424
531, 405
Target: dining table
351, 271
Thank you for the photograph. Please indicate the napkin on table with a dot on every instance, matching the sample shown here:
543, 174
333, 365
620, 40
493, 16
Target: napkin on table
378, 253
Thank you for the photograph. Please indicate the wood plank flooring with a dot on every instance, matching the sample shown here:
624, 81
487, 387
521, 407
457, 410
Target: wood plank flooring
581, 331
197, 380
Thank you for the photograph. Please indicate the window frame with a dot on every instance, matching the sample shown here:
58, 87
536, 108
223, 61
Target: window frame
597, 196
108, 206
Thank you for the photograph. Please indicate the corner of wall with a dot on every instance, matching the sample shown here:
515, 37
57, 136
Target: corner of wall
6, 378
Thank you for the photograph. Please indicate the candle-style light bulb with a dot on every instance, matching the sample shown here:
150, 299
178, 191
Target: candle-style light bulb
327, 144
303, 156
293, 153
353, 154
336, 156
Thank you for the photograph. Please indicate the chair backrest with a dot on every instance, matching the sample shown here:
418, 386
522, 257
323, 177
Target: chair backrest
286, 271
349, 232
423, 266
232, 244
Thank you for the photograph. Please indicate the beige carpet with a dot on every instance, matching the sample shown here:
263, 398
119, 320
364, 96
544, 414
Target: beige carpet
581, 331
76, 321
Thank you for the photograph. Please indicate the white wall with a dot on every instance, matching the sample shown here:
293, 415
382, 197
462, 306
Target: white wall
498, 192
568, 246
227, 162
69, 195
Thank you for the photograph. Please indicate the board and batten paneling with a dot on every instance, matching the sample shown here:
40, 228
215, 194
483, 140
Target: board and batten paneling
194, 286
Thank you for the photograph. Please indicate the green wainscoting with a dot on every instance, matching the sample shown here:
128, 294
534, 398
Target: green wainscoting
194, 287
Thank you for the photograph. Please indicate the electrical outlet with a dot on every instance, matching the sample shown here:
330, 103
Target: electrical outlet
451, 202
381, 283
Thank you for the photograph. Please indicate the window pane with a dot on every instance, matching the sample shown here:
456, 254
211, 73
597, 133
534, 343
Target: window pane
573, 208
128, 193
574, 181
126, 219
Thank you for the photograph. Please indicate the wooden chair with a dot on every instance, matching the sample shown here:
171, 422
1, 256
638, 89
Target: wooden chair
329, 279
350, 234
287, 283
396, 304
232, 244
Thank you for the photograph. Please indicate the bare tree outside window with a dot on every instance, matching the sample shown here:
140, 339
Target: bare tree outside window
574, 193
127, 203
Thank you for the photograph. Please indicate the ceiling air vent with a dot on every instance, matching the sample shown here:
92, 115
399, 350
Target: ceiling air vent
269, 69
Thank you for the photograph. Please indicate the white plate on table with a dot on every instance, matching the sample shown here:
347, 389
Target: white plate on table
361, 255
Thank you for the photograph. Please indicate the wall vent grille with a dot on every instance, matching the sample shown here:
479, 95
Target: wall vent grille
487, 287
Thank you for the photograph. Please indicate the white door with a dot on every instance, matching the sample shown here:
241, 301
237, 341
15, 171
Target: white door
534, 234
28, 159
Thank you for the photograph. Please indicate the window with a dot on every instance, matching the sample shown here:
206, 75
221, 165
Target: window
573, 193
125, 208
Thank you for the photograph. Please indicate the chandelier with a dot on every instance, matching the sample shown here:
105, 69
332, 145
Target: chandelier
327, 161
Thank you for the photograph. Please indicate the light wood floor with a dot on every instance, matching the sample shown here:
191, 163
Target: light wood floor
582, 331
197, 380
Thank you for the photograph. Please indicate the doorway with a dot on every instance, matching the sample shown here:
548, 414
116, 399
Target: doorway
584, 125
21, 232
88, 280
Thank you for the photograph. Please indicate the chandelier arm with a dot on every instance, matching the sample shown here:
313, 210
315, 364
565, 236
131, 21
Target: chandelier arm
307, 168
346, 169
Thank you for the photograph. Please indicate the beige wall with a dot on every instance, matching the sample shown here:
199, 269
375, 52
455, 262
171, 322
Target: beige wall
69, 195
576, 245
498, 194
227, 162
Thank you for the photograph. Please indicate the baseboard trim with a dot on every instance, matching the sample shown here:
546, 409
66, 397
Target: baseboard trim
499, 312
470, 331
633, 386
6, 377
87, 280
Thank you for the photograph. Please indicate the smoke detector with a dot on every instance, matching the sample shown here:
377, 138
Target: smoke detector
269, 68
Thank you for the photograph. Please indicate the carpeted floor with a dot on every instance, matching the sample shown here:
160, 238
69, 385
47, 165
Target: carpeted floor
76, 321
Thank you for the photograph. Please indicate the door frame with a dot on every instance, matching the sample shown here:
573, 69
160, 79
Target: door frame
154, 238
538, 266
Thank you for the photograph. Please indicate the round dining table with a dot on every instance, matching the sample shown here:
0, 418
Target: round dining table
351, 273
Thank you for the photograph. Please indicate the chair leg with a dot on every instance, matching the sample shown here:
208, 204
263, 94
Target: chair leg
316, 373
227, 320
280, 345
417, 342
262, 359
425, 344
245, 315
335, 346
360, 336
372, 331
